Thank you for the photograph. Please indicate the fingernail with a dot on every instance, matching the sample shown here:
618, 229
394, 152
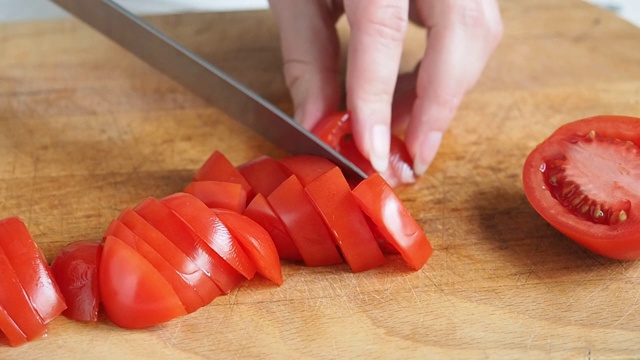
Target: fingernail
379, 145
427, 151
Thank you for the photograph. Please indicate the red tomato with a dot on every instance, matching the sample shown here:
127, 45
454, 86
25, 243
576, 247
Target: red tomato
7, 326
187, 293
15, 302
333, 128
75, 270
32, 269
219, 168
255, 241
304, 224
261, 212
188, 268
307, 167
178, 232
393, 221
264, 174
134, 294
219, 194
332, 196
208, 226
584, 180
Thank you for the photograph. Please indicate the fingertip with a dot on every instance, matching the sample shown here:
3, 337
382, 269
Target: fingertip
379, 144
426, 151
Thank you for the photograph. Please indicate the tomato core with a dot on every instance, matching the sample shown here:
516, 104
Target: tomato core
617, 163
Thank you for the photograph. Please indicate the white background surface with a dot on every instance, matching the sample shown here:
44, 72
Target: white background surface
20, 10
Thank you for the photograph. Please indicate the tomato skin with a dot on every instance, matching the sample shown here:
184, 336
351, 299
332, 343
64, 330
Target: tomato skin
134, 293
218, 168
219, 194
332, 196
333, 128
32, 269
307, 167
255, 241
75, 270
264, 174
618, 241
393, 221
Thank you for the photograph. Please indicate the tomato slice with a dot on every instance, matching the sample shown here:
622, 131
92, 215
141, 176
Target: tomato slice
15, 302
187, 293
219, 194
584, 180
304, 224
188, 268
13, 333
178, 232
134, 294
331, 194
208, 226
255, 241
31, 268
219, 168
264, 174
75, 270
307, 167
393, 220
261, 212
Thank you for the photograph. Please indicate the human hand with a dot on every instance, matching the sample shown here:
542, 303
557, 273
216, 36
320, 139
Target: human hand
462, 34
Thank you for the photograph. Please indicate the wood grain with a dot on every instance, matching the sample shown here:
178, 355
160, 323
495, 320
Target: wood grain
86, 130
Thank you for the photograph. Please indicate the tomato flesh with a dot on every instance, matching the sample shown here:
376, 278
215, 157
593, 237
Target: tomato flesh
584, 180
264, 174
219, 194
75, 270
218, 168
13, 333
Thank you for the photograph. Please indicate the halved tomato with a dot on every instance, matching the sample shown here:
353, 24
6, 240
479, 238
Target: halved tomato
584, 179
75, 270
134, 294
393, 221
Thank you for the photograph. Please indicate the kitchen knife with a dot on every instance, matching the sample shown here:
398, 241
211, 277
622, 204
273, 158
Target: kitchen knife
203, 79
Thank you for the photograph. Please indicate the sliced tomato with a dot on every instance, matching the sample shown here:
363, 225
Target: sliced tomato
31, 268
178, 232
219, 194
393, 220
75, 270
307, 167
332, 196
584, 179
9, 328
214, 232
16, 303
187, 293
304, 224
134, 294
264, 174
261, 212
255, 241
219, 168
185, 265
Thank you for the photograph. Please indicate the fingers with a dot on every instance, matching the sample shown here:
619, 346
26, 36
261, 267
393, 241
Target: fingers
377, 33
310, 49
462, 36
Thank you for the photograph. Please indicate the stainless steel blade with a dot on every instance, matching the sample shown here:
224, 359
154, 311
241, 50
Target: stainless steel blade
202, 78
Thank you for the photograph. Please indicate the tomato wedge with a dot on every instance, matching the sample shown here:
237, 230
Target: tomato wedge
187, 293
255, 241
187, 267
264, 174
219, 168
219, 194
214, 232
393, 221
332, 196
584, 179
31, 268
134, 294
178, 232
261, 212
75, 271
304, 224
15, 302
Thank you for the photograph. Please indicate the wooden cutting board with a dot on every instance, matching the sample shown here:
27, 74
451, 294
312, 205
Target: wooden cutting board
86, 130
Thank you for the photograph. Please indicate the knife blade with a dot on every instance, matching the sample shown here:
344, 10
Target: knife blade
203, 79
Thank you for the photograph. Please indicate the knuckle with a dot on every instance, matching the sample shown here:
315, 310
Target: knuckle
387, 22
479, 16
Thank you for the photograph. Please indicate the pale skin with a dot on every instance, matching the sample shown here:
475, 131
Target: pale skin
462, 35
